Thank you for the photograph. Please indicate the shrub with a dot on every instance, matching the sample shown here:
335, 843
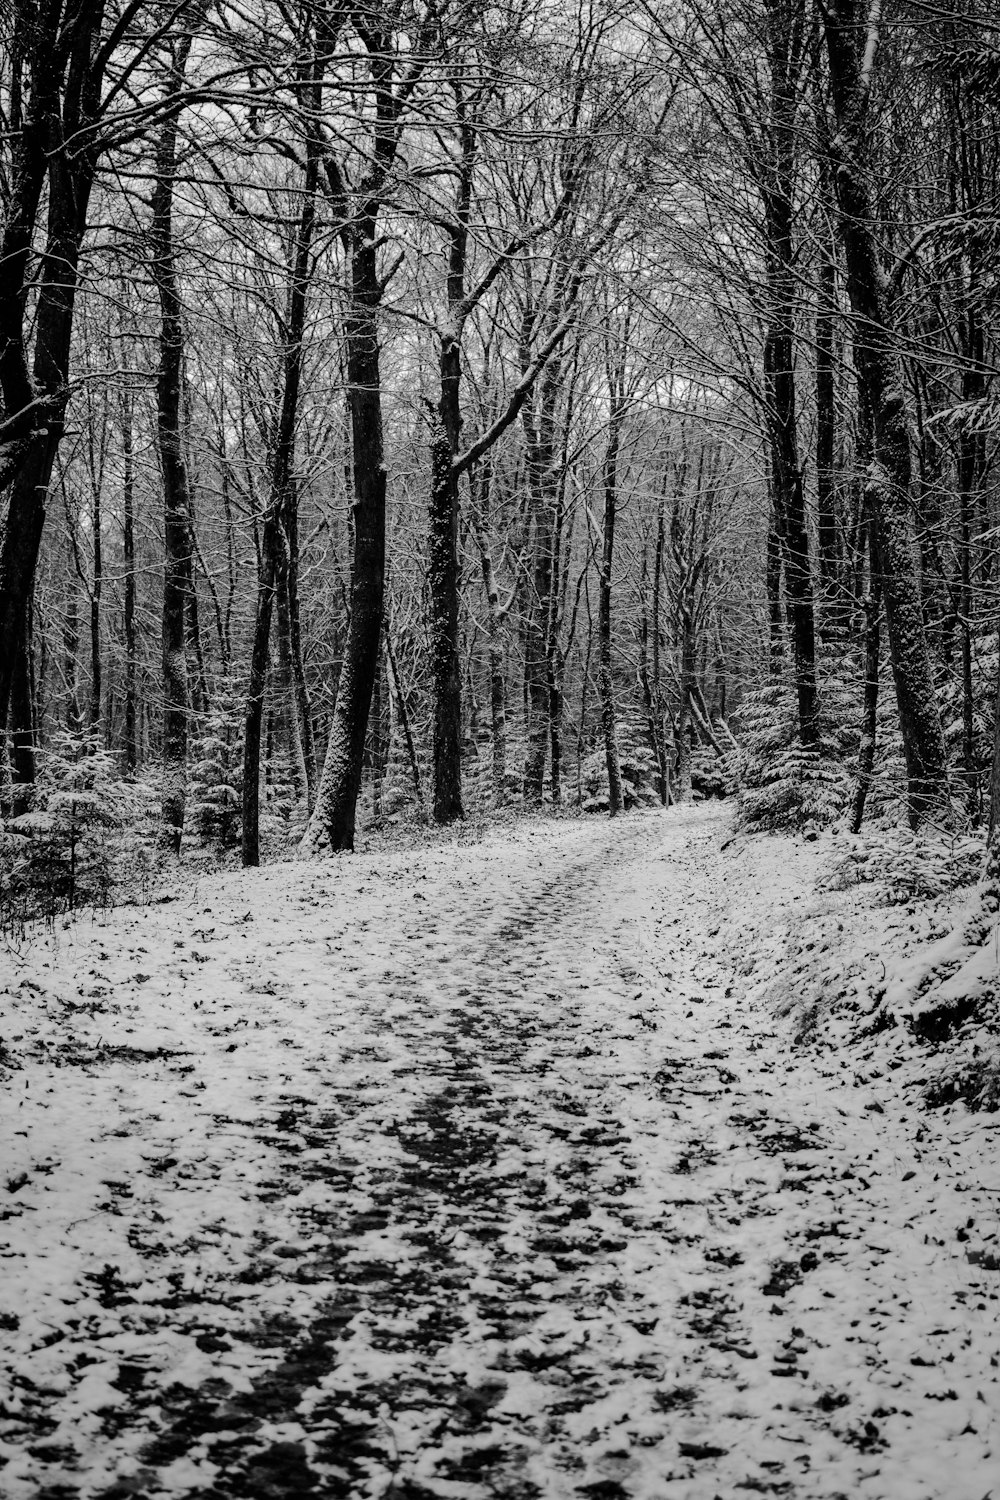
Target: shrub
215, 773
907, 866
638, 768
782, 783
87, 840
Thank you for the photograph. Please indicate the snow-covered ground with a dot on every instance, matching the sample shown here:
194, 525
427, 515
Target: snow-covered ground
482, 1170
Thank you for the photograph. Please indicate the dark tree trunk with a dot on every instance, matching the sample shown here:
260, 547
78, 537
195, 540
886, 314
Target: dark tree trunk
994, 812
63, 97
25, 518
653, 730
581, 728
254, 718
285, 689
335, 811
658, 564
605, 675
654, 724
536, 656
972, 464
376, 742
177, 560
280, 517
826, 434
443, 563
877, 358
498, 684
785, 36
334, 814
873, 648
685, 729
128, 555
775, 622
96, 675
555, 709
197, 677
542, 487
298, 665
443, 588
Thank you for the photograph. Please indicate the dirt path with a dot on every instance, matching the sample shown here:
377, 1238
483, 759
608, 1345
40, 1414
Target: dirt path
506, 1195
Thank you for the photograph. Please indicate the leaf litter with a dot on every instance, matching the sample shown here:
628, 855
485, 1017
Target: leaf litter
312, 1187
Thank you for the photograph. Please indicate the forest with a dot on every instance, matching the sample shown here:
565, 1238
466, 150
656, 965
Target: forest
499, 749
429, 410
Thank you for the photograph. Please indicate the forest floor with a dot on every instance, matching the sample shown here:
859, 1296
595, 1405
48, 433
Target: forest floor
482, 1169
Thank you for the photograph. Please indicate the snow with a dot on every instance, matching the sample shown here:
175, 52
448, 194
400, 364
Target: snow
488, 1168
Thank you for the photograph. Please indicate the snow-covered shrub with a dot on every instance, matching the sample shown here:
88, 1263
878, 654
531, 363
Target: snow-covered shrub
638, 768
396, 798
973, 1080
710, 775
904, 866
88, 839
783, 784
215, 773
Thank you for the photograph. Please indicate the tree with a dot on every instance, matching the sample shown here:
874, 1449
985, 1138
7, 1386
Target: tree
278, 545
391, 82
63, 120
177, 518
852, 51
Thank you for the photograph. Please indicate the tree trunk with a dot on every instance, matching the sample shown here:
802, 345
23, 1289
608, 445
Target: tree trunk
604, 641
498, 684
257, 681
554, 678
877, 358
544, 500
971, 466
994, 816
298, 665
785, 29
281, 515
682, 785
657, 685
177, 563
96, 683
536, 661
286, 690
64, 95
776, 632
197, 677
443, 588
873, 647
826, 432
375, 741
128, 552
654, 728
336, 801
334, 814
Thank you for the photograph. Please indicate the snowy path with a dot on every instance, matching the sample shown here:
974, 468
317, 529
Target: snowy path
465, 1173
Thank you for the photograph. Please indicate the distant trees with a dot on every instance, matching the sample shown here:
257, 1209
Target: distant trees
365, 369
